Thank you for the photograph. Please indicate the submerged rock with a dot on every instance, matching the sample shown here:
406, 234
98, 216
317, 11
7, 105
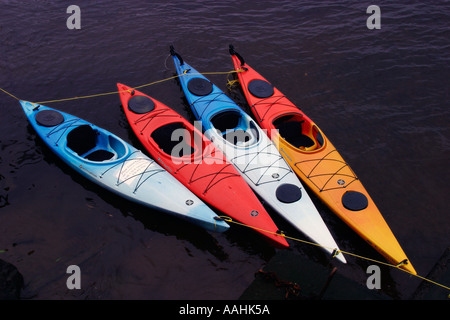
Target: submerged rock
11, 281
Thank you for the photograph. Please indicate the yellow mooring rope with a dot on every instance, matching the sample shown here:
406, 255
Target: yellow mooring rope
9, 94
138, 87
115, 92
225, 218
335, 252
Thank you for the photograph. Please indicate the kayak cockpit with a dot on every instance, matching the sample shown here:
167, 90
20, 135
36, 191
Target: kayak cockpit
299, 132
94, 145
235, 128
175, 140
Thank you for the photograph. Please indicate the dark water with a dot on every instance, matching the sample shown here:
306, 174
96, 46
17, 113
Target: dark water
380, 95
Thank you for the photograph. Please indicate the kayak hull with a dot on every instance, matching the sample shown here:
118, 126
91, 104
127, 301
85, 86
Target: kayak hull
115, 165
254, 156
318, 163
190, 157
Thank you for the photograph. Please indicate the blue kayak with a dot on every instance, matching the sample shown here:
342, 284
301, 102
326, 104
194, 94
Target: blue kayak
115, 165
252, 152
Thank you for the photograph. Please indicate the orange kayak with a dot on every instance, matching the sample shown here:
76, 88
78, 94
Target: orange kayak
317, 162
182, 149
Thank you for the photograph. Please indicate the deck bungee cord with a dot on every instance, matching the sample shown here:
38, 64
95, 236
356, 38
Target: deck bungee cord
227, 219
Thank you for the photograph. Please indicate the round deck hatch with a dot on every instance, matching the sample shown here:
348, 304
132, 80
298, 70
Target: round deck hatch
355, 201
49, 118
288, 193
141, 104
200, 86
260, 88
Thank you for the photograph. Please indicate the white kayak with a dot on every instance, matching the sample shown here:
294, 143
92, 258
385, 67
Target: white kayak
255, 156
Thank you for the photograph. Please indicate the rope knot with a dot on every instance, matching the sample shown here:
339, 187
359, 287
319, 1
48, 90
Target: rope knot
402, 263
335, 252
281, 233
223, 218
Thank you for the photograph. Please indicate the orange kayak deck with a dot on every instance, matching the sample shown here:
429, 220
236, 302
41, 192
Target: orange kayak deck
317, 163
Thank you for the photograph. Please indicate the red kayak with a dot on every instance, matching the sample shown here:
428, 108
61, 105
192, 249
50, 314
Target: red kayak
189, 156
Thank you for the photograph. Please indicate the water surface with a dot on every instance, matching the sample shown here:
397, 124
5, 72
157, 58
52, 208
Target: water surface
381, 96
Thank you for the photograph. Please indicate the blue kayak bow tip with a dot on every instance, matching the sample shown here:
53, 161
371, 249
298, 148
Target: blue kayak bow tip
174, 53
